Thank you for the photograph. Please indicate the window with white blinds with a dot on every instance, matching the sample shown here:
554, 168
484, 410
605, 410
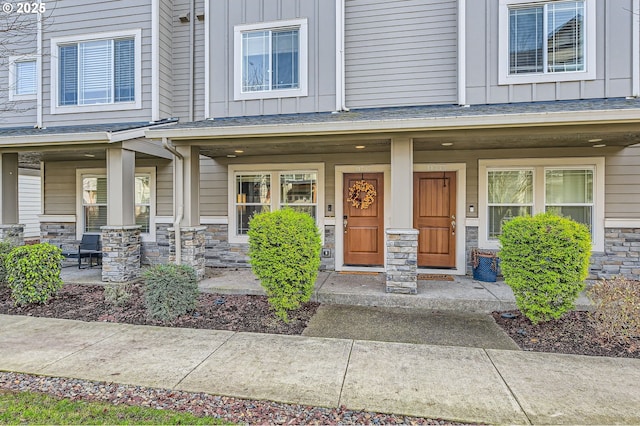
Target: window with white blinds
25, 77
96, 72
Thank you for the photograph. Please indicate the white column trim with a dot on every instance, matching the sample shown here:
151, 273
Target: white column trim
635, 48
462, 53
155, 60
207, 58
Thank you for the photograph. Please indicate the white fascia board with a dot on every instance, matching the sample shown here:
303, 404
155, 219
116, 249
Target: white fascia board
545, 119
146, 147
54, 139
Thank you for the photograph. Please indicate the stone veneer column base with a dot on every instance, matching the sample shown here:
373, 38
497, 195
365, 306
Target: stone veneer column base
12, 233
120, 253
402, 261
192, 245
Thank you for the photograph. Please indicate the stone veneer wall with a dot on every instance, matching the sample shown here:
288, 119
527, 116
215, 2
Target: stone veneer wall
62, 235
120, 253
12, 233
328, 263
192, 243
402, 261
621, 254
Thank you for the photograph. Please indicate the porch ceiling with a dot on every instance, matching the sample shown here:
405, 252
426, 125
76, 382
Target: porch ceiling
31, 159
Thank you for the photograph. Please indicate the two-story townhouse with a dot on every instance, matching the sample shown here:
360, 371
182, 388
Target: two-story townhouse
451, 116
409, 129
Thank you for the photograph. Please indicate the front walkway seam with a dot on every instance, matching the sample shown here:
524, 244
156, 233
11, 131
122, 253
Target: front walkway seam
508, 387
490, 292
317, 289
121, 327
204, 360
344, 376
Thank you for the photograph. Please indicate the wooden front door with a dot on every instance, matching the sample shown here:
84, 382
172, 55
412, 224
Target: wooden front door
434, 216
363, 225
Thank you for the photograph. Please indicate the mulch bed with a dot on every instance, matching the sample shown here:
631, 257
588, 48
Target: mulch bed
213, 311
572, 334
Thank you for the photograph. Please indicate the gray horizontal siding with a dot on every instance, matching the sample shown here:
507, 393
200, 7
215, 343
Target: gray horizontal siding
613, 58
29, 203
321, 68
76, 17
165, 61
400, 52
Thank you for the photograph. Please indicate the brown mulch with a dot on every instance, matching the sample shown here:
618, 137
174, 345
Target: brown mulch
213, 311
574, 333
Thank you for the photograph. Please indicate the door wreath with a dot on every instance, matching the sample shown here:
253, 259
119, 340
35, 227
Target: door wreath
362, 194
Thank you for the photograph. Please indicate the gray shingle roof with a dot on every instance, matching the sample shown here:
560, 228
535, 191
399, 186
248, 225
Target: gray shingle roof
90, 128
431, 111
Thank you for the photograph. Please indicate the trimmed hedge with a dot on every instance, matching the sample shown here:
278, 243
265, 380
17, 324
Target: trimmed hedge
284, 252
545, 260
5, 249
33, 273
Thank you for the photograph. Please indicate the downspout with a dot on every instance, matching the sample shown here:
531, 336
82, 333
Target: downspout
192, 46
178, 195
340, 57
635, 78
39, 72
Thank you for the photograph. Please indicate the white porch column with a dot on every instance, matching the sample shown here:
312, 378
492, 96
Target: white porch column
191, 185
402, 239
9, 180
121, 239
9, 217
401, 183
191, 236
121, 175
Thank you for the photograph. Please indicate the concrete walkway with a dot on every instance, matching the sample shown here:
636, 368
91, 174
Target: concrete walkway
453, 383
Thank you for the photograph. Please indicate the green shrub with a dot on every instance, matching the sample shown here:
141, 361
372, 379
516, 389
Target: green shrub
284, 252
33, 273
617, 308
5, 249
170, 291
117, 294
545, 260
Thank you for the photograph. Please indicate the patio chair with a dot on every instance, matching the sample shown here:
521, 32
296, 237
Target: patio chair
89, 248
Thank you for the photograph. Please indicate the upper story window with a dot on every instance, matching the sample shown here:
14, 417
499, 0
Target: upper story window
271, 60
546, 41
96, 73
24, 78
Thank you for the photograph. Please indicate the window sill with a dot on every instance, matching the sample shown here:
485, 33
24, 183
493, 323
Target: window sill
75, 109
272, 94
556, 77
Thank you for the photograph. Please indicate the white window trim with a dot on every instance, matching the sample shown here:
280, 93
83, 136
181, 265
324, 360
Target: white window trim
151, 171
13, 78
115, 106
503, 48
302, 25
597, 164
275, 170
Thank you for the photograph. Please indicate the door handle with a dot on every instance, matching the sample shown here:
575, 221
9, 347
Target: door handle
344, 224
453, 227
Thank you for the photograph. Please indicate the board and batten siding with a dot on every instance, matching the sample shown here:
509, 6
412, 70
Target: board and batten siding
400, 52
613, 69
16, 113
165, 61
226, 14
78, 17
29, 201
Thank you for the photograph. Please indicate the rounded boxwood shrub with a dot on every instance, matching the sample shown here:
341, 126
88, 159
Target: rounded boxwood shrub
545, 260
284, 252
33, 273
170, 291
5, 249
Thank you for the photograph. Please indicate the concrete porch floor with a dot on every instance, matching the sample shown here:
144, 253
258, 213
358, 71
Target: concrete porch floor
334, 288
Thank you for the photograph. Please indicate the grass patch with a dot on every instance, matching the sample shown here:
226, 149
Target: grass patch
37, 408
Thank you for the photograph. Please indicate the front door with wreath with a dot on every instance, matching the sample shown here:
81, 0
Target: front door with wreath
363, 221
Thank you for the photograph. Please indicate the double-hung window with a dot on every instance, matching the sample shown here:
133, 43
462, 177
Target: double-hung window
572, 187
546, 41
92, 209
101, 73
24, 78
262, 188
271, 60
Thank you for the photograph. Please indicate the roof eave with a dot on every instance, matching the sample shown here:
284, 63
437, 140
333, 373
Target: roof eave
544, 119
55, 139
